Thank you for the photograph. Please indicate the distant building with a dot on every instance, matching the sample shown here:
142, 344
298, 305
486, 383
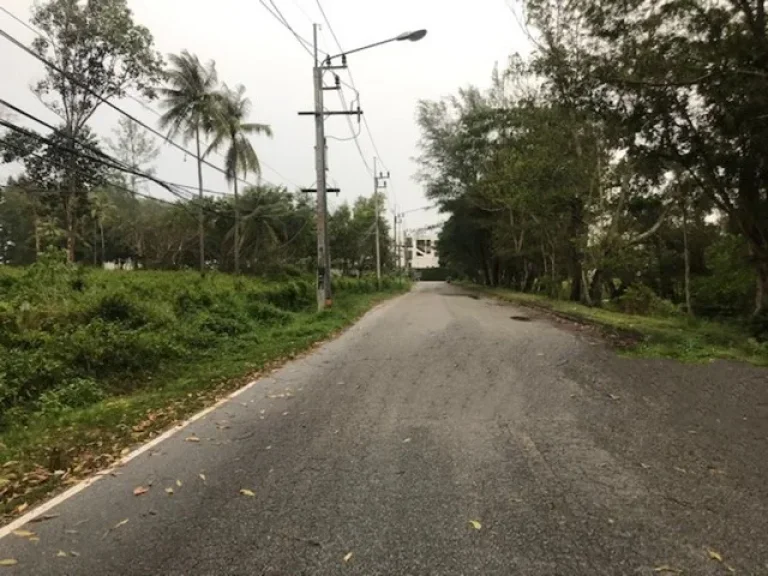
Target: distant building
420, 250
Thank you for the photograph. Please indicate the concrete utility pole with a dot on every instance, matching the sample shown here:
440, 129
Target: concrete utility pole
378, 179
324, 296
323, 244
395, 222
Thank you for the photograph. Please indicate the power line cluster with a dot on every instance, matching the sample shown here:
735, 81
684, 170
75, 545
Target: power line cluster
164, 138
306, 45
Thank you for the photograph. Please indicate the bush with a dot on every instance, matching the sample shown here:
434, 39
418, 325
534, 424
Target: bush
77, 393
67, 338
641, 300
758, 327
729, 288
265, 313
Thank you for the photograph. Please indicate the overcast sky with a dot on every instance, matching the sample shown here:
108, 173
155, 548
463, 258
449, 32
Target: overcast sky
249, 46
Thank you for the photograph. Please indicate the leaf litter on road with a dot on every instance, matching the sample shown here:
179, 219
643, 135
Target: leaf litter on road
9, 562
43, 518
667, 569
169, 491
475, 524
348, 556
140, 490
246, 492
23, 533
714, 555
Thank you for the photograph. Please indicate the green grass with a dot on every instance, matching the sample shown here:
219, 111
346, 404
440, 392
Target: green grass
678, 336
71, 397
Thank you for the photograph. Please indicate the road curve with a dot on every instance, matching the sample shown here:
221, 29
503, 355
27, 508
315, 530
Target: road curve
440, 436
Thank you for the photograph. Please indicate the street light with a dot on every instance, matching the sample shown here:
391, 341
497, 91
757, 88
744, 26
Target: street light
414, 36
324, 294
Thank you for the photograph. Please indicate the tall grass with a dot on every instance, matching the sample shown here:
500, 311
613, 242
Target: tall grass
70, 337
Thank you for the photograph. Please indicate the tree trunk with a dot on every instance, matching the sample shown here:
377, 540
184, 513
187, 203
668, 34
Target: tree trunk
38, 243
201, 214
596, 288
237, 230
761, 294
70, 224
95, 243
576, 226
103, 244
687, 258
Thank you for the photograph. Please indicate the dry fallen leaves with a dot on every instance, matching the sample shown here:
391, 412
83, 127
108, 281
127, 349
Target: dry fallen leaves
192, 439
61, 554
475, 524
715, 555
202, 477
139, 490
21, 507
348, 557
178, 483
667, 569
9, 562
169, 491
23, 533
43, 518
121, 523
246, 492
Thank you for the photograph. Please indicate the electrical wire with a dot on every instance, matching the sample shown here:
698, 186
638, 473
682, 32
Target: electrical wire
102, 159
116, 185
354, 87
96, 150
148, 107
303, 42
103, 100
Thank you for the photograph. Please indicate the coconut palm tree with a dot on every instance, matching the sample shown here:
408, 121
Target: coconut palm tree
231, 129
190, 98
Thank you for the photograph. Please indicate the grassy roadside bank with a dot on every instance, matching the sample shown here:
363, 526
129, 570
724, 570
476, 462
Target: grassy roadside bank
675, 336
112, 359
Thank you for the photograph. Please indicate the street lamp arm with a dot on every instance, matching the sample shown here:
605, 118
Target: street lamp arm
412, 36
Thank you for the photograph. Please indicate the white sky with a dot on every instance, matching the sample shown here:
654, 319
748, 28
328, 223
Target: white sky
464, 41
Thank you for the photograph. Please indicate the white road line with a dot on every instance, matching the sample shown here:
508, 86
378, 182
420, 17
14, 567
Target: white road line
66, 495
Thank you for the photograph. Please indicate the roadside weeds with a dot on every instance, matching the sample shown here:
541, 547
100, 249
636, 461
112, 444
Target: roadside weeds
678, 337
49, 455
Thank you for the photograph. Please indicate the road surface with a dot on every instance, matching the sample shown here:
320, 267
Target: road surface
440, 436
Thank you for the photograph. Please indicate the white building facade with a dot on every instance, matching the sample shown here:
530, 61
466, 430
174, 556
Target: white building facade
419, 250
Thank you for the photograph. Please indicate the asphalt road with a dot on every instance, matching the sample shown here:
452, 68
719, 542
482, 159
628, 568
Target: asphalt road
374, 454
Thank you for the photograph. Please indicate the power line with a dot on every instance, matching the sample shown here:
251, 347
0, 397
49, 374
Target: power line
102, 158
147, 106
353, 87
277, 15
116, 185
141, 102
103, 100
306, 15
98, 151
352, 80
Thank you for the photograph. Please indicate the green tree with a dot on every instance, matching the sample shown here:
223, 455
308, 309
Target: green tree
231, 130
685, 82
102, 54
61, 172
190, 100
